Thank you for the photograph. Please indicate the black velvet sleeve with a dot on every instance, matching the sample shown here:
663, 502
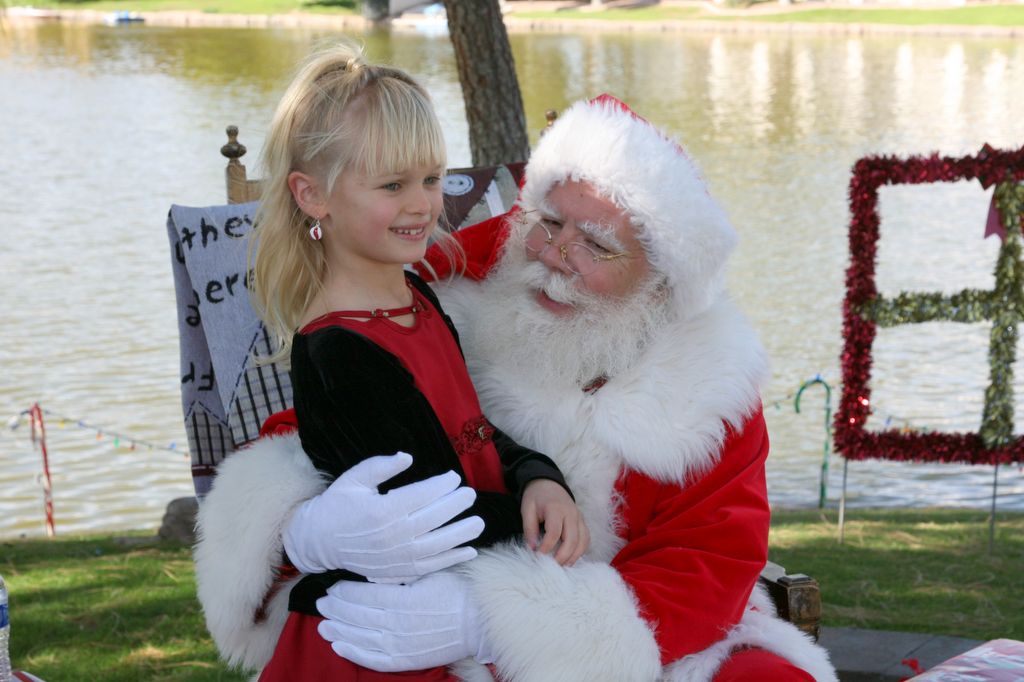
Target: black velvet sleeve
523, 465
354, 400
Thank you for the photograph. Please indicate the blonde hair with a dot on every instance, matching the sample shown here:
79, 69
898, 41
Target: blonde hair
339, 113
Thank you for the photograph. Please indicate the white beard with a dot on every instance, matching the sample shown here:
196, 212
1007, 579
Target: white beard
600, 337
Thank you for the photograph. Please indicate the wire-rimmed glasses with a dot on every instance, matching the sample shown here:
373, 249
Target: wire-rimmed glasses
580, 258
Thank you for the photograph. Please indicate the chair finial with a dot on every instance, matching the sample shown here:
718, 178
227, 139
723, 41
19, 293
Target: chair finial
233, 150
551, 116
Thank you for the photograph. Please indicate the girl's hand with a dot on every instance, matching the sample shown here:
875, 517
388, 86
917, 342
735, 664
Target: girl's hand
547, 502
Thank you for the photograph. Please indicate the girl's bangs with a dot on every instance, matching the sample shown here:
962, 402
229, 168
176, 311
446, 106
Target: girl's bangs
399, 133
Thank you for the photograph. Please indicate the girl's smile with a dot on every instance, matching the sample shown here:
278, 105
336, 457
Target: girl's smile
412, 233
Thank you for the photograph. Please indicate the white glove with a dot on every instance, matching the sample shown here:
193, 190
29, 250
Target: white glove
394, 537
396, 628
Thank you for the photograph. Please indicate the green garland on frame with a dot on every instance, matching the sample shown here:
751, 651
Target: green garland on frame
864, 310
1008, 297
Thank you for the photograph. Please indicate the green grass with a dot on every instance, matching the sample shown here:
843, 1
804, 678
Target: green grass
913, 570
120, 609
985, 15
979, 15
97, 608
207, 6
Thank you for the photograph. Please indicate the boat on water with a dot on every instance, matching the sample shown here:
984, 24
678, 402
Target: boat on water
123, 17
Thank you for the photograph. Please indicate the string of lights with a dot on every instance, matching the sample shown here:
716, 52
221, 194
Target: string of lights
122, 439
117, 438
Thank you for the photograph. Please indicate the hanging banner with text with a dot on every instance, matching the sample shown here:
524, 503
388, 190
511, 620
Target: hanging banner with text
226, 395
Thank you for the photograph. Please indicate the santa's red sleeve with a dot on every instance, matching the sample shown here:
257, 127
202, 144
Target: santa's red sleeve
280, 423
481, 245
693, 553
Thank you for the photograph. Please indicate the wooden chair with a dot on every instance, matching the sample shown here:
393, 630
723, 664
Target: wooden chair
796, 596
471, 195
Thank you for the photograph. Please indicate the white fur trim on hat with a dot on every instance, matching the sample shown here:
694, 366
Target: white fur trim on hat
685, 232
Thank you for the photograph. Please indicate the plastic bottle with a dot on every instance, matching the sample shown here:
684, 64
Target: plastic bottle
5, 635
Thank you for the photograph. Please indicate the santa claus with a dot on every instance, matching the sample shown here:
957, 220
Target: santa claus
602, 336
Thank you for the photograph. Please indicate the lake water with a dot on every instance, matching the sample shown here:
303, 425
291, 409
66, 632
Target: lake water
102, 128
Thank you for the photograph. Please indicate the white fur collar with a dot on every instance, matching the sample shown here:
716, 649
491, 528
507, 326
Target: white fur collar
666, 417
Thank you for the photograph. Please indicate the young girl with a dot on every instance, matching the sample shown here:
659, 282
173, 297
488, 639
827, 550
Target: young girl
355, 157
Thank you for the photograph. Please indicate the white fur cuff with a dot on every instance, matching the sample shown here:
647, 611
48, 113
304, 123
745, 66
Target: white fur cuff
239, 545
548, 622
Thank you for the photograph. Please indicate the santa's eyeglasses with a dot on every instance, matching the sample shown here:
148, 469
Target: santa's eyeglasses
581, 259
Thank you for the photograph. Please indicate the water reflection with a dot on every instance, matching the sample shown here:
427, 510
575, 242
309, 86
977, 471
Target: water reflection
856, 104
803, 91
953, 81
104, 127
903, 80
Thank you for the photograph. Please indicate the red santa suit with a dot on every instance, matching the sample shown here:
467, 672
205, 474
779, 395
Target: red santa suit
666, 461
667, 465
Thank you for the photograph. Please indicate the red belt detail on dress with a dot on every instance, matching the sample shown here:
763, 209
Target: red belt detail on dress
475, 434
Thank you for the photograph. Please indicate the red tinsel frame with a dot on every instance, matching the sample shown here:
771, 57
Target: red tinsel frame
852, 440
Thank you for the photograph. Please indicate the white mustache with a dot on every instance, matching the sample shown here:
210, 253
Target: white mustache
560, 289
555, 285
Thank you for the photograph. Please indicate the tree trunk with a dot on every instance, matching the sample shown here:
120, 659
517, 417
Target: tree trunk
376, 10
490, 90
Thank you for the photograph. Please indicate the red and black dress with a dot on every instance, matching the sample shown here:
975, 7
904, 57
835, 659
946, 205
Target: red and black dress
374, 387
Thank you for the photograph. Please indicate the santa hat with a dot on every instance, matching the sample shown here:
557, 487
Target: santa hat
685, 232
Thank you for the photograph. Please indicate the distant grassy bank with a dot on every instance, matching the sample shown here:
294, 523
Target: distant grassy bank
123, 608
212, 7
807, 15
973, 15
